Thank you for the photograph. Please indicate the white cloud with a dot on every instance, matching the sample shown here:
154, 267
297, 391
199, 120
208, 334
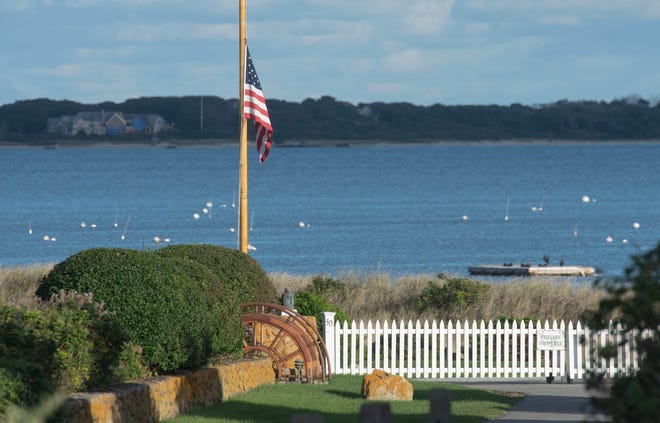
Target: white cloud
61, 71
13, 6
105, 53
428, 17
333, 32
579, 9
410, 60
177, 30
565, 20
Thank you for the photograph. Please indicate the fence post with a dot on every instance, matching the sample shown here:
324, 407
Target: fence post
440, 406
375, 412
307, 418
329, 337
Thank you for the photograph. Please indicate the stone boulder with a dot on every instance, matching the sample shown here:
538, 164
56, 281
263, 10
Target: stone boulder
380, 385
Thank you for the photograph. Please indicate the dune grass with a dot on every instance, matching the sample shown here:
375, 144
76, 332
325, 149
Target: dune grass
377, 296
380, 297
19, 283
339, 401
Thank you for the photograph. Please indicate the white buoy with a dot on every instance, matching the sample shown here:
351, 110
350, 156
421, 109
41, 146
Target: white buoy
123, 237
209, 204
251, 247
195, 216
53, 239
464, 217
116, 225
46, 238
205, 210
232, 230
636, 225
585, 199
83, 224
30, 231
625, 241
167, 240
301, 224
156, 239
93, 225
609, 239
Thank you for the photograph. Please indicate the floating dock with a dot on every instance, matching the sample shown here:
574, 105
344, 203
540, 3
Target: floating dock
521, 270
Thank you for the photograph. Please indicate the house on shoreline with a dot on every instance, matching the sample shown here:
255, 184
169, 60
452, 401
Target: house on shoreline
108, 123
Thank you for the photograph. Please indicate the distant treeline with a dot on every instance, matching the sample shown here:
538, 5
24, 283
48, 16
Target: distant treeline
326, 118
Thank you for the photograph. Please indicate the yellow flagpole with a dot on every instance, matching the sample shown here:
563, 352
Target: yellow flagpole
243, 190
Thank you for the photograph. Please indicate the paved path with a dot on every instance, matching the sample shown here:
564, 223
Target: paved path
545, 402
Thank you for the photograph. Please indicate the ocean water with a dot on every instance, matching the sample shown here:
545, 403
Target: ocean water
393, 209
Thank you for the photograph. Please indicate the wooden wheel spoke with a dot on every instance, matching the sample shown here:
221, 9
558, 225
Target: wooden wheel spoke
284, 335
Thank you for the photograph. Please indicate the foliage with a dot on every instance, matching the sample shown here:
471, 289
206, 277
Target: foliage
163, 303
238, 279
237, 272
451, 293
634, 301
308, 303
323, 284
68, 344
327, 118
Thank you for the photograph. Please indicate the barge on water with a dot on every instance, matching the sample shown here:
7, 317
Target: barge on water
528, 270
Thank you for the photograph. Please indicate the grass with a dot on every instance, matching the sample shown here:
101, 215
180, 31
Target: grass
339, 401
19, 283
377, 296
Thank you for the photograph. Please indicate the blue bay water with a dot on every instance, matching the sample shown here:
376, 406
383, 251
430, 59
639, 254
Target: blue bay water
393, 209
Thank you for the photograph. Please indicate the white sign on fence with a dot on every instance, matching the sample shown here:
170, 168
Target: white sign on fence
550, 339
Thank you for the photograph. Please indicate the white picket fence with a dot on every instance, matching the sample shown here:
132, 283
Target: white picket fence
490, 349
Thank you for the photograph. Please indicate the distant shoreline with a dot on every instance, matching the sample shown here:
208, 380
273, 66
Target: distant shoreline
213, 142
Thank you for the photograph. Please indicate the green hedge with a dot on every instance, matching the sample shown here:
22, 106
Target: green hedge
69, 344
237, 272
238, 279
163, 303
180, 304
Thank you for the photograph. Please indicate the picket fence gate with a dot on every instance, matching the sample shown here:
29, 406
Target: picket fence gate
483, 350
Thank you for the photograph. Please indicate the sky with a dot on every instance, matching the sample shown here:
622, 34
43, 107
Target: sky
422, 52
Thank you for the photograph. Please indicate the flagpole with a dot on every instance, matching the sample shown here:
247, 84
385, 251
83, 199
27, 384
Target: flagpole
243, 190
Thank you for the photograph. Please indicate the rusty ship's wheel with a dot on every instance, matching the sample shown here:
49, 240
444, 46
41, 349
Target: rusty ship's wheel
286, 337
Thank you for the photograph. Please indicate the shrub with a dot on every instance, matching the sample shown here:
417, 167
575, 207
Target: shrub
451, 294
163, 303
238, 279
69, 344
309, 304
236, 271
635, 302
323, 285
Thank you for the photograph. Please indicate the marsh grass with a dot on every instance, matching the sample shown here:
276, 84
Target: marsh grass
18, 284
339, 401
377, 296
380, 297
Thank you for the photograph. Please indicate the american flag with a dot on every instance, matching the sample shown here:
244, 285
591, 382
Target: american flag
254, 107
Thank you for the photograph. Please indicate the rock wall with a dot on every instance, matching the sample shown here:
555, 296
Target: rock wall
164, 397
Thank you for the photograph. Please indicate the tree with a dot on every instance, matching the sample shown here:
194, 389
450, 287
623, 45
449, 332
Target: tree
634, 301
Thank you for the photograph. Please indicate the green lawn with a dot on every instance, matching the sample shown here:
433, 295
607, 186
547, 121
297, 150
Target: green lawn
339, 401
